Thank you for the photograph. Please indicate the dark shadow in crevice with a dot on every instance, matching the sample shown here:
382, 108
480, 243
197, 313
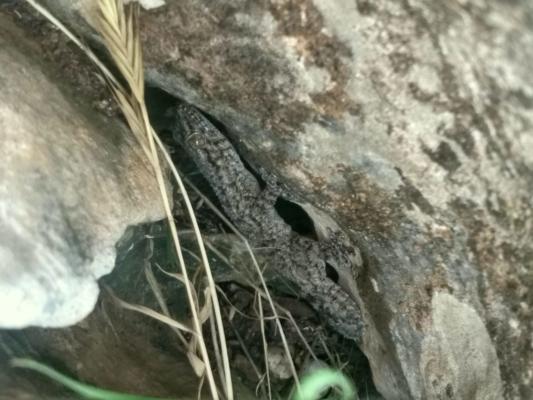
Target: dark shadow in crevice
295, 216
332, 273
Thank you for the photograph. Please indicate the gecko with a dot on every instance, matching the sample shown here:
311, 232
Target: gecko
250, 205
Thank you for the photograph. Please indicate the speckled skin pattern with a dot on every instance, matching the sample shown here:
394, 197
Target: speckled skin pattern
300, 259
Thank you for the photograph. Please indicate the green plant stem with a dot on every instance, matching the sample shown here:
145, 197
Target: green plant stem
84, 390
313, 385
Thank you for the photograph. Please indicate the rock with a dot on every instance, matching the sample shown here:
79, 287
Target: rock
149, 4
456, 357
278, 363
410, 124
98, 351
71, 182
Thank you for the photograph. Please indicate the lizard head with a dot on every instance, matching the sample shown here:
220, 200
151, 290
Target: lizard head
191, 125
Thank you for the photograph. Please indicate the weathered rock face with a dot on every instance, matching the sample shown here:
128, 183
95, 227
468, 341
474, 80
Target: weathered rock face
70, 184
112, 348
411, 123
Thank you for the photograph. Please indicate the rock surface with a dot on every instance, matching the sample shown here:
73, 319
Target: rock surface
113, 348
410, 122
70, 184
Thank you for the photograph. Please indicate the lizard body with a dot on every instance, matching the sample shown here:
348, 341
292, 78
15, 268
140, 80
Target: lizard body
300, 259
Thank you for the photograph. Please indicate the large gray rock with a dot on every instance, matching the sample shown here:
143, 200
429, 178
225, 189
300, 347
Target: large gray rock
113, 348
70, 183
410, 122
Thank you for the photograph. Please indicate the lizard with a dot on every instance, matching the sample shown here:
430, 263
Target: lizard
251, 208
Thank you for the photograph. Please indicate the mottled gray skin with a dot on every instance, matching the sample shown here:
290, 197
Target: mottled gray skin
297, 258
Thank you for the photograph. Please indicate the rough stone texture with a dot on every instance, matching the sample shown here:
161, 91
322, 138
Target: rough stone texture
70, 183
410, 122
112, 348
99, 351
460, 352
